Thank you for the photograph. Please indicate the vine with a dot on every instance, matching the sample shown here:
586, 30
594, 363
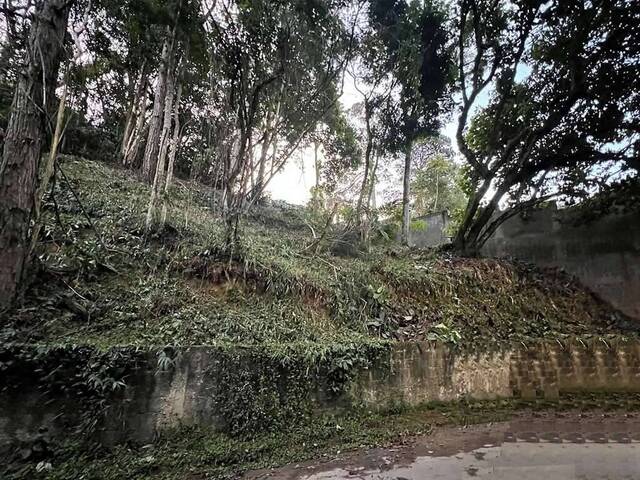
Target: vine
259, 390
84, 374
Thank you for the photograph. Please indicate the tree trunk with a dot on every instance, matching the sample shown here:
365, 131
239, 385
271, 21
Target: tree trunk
136, 110
370, 207
134, 143
269, 138
48, 171
371, 199
406, 206
158, 186
175, 142
9, 48
365, 179
152, 148
264, 150
24, 139
317, 163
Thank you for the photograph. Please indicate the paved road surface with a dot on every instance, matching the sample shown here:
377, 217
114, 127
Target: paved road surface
566, 446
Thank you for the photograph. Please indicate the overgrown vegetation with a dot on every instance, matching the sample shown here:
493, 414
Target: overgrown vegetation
103, 282
285, 321
198, 453
227, 93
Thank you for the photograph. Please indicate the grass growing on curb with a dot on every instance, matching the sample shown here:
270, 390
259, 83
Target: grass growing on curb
196, 453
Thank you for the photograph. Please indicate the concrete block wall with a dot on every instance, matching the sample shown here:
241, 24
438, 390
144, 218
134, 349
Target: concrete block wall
421, 372
411, 373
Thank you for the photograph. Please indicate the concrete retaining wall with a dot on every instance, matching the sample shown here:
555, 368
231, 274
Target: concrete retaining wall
419, 372
411, 373
604, 254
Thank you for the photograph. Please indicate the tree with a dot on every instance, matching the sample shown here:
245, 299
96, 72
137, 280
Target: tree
161, 91
563, 109
375, 84
417, 54
164, 125
275, 73
337, 150
25, 136
436, 186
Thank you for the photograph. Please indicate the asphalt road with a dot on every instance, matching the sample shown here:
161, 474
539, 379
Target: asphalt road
550, 446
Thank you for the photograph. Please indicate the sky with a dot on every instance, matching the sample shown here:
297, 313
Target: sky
294, 182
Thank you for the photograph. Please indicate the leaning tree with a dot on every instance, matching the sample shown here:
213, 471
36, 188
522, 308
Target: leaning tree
563, 103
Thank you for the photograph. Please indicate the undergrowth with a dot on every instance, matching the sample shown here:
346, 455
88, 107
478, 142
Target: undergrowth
102, 282
198, 453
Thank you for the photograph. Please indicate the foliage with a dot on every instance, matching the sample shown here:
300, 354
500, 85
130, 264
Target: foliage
182, 287
271, 390
418, 225
563, 93
275, 68
436, 187
444, 333
620, 197
207, 454
412, 46
83, 375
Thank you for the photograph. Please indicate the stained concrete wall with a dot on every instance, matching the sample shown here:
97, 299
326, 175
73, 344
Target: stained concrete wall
411, 373
434, 231
422, 372
157, 399
603, 254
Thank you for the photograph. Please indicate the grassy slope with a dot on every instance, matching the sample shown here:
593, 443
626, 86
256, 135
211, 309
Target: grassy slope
178, 289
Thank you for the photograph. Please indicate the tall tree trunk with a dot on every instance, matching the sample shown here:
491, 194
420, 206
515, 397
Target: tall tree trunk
317, 163
406, 204
136, 109
264, 151
158, 186
152, 148
175, 141
173, 150
134, 143
371, 198
129, 117
48, 171
24, 139
362, 223
367, 219
269, 139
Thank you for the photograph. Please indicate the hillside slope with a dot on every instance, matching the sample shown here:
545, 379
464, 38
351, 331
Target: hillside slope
101, 282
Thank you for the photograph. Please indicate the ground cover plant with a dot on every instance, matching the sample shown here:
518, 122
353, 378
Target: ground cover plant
141, 142
103, 281
197, 453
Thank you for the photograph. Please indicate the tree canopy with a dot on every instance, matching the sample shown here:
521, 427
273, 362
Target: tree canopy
563, 91
544, 95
